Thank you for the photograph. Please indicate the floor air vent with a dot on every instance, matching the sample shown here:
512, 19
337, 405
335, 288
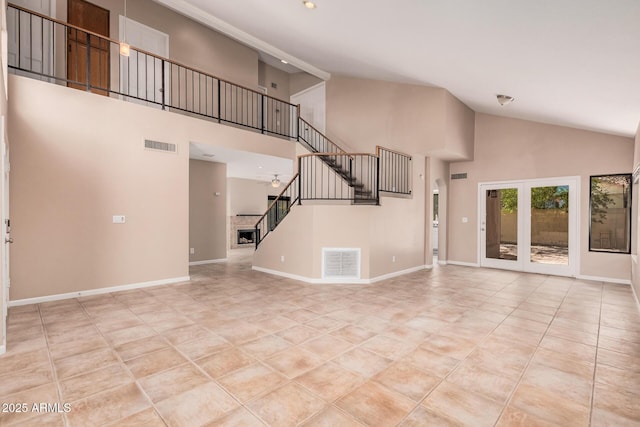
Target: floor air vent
340, 263
160, 146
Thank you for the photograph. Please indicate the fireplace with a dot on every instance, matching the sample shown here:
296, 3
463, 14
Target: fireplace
246, 236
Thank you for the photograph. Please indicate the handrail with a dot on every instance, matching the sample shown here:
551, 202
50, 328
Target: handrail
171, 61
382, 148
266, 223
340, 149
286, 187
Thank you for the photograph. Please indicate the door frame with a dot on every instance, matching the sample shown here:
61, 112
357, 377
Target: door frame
523, 262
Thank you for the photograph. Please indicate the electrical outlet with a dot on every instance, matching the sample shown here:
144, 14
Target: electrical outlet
118, 219
281, 258
393, 258
192, 251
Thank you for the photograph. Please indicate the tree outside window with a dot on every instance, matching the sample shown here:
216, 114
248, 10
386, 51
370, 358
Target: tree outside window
610, 200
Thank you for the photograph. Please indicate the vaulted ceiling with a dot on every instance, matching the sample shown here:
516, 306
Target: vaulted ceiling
568, 62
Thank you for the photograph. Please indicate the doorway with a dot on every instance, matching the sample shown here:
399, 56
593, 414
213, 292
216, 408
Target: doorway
88, 55
530, 225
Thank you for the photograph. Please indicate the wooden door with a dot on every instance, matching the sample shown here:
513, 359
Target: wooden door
87, 54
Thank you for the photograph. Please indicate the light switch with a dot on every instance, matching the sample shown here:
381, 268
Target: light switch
118, 219
465, 219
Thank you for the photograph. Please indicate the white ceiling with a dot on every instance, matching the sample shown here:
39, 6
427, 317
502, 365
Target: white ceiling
569, 62
244, 164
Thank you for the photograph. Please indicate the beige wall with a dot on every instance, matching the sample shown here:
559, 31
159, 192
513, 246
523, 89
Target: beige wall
301, 81
459, 130
3, 114
635, 221
413, 119
510, 149
268, 75
364, 113
83, 161
393, 229
248, 196
190, 43
207, 210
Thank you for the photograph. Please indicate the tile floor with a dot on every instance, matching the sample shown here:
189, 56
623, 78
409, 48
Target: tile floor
451, 346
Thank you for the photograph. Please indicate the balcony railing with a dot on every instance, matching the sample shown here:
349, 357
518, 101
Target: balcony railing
54, 51
395, 171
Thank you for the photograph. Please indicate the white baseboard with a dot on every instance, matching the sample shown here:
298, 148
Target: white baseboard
3, 349
604, 279
308, 279
209, 261
315, 281
635, 296
443, 262
99, 291
398, 273
463, 264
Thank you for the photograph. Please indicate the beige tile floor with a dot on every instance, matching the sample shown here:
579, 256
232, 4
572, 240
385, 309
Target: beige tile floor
451, 346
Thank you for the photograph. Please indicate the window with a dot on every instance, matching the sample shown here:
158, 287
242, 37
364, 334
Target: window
610, 200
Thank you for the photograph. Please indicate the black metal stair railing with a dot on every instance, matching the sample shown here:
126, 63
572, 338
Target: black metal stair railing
395, 171
345, 176
278, 209
51, 50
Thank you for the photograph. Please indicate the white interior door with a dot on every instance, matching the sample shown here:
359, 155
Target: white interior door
530, 225
141, 75
312, 103
6, 230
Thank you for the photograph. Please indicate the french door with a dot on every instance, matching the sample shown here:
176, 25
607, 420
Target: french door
530, 225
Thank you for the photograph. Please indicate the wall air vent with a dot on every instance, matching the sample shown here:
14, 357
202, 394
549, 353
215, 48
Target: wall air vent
160, 146
459, 175
340, 263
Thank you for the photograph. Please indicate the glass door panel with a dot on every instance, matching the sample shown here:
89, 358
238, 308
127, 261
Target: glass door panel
549, 225
501, 240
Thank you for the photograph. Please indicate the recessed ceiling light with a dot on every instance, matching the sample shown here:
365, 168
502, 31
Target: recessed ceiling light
504, 99
259, 167
284, 61
309, 4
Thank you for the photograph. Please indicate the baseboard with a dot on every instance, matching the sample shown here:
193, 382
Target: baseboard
209, 261
604, 279
309, 279
3, 349
443, 262
99, 291
463, 264
399, 273
315, 281
635, 295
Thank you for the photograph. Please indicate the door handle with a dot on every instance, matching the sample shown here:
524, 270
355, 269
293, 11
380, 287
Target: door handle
8, 239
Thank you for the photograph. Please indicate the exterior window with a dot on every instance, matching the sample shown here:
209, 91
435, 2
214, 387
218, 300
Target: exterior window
610, 200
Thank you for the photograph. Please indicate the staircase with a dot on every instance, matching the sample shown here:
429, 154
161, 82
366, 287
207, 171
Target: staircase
327, 173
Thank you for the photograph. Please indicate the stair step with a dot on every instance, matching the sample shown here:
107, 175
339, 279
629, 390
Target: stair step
357, 201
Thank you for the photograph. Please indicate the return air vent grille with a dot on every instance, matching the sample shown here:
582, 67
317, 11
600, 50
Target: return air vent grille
459, 175
340, 263
160, 146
